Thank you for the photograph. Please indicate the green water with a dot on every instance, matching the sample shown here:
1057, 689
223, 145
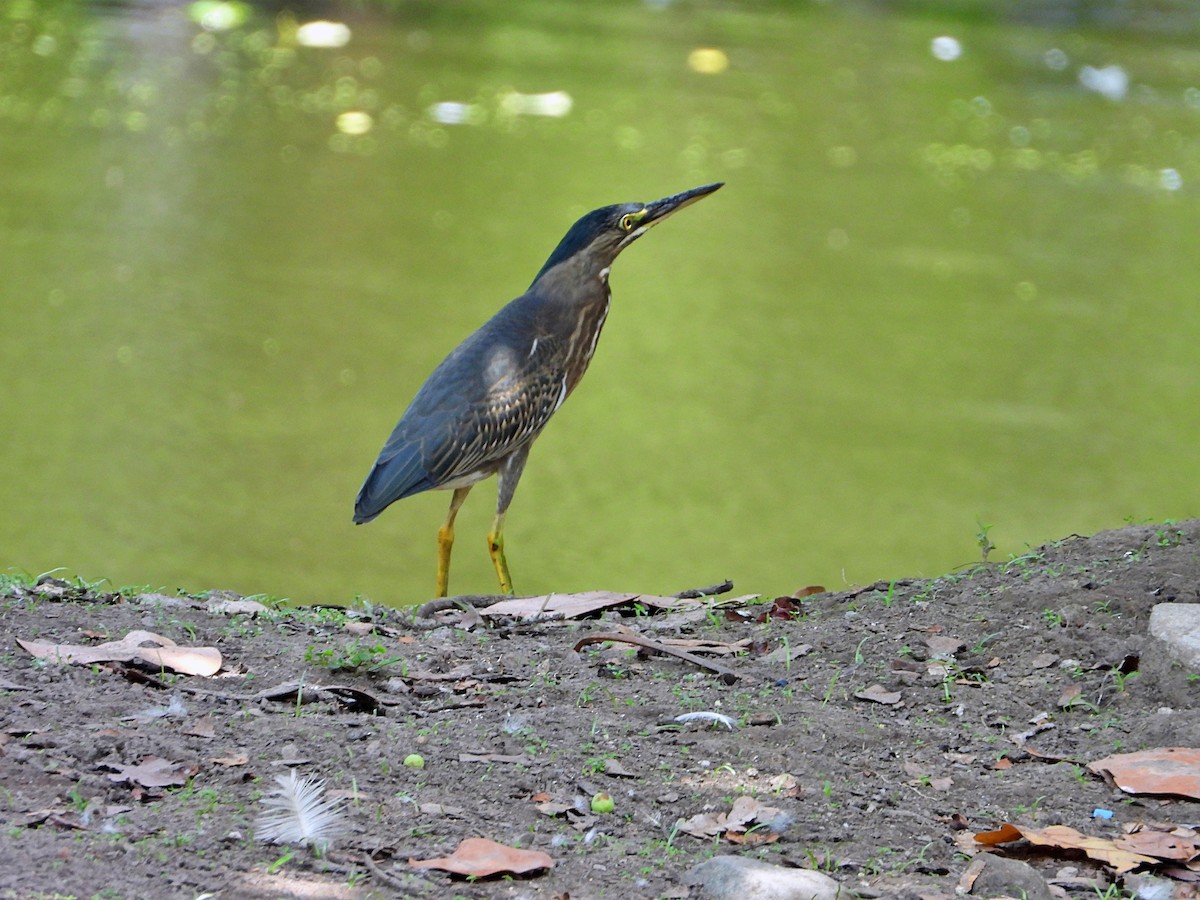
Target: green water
933, 292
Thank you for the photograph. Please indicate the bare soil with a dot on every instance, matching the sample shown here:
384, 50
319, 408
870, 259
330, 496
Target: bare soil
1009, 676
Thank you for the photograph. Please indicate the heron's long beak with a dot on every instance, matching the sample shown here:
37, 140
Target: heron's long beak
660, 209
653, 213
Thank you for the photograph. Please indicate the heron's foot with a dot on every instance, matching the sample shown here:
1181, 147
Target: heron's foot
496, 552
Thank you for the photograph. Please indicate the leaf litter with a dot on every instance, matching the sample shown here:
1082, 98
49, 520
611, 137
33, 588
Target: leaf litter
518, 731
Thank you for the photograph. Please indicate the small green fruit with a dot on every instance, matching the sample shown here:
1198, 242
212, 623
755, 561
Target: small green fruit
603, 803
414, 761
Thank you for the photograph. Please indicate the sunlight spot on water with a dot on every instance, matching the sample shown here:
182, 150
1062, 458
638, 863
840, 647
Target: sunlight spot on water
945, 48
1056, 59
554, 104
708, 61
45, 45
450, 112
212, 15
323, 34
1110, 82
1170, 179
355, 122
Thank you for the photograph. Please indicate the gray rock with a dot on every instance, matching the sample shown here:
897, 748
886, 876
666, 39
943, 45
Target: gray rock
736, 878
1178, 626
999, 876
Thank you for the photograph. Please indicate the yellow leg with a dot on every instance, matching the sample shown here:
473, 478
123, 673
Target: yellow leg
446, 541
496, 551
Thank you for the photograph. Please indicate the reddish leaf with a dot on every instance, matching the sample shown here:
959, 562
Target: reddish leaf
479, 858
1165, 770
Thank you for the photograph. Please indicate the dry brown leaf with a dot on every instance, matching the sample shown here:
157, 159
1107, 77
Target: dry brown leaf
203, 727
440, 809
1063, 837
703, 825
742, 816
239, 759
479, 858
1070, 694
151, 772
1102, 849
492, 757
617, 769
573, 605
166, 654
236, 607
877, 693
1160, 844
1164, 770
943, 647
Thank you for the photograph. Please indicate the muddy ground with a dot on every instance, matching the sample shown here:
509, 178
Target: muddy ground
996, 684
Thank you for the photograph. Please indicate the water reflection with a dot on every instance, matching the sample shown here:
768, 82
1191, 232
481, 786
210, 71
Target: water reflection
948, 283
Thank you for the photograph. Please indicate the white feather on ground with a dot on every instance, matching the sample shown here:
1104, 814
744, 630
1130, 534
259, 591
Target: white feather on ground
297, 814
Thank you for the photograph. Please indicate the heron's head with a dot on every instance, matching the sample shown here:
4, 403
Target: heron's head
603, 233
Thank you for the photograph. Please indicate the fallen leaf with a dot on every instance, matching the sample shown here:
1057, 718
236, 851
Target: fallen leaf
1001, 835
742, 816
615, 768
150, 772
493, 757
943, 647
479, 858
1063, 837
1160, 844
238, 760
439, 809
572, 606
165, 655
877, 693
1102, 849
203, 727
1070, 694
1164, 770
236, 607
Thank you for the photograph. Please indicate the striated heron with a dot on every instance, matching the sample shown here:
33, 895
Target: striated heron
484, 405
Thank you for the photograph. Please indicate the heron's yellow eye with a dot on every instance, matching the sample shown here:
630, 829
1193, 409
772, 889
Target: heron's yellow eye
627, 222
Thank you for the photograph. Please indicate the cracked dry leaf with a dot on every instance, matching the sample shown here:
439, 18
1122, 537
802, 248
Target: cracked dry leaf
877, 693
479, 858
1063, 837
165, 654
1163, 770
151, 772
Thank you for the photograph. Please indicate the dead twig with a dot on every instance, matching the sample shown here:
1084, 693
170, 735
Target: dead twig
728, 676
711, 591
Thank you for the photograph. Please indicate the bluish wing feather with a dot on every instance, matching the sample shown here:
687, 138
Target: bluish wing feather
398, 473
493, 393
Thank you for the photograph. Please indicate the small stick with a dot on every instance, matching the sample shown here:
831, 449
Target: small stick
711, 591
728, 676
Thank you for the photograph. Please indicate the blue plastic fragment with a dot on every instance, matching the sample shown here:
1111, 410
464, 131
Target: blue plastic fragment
1098, 813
